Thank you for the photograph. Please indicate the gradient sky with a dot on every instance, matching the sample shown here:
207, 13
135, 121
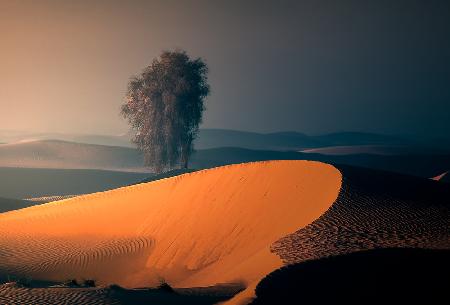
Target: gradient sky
309, 66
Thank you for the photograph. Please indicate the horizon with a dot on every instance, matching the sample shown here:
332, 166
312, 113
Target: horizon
423, 139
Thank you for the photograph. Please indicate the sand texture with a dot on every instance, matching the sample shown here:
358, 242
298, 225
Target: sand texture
198, 229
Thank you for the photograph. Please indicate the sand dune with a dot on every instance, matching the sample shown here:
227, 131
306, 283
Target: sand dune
62, 154
69, 155
198, 229
360, 149
12, 295
40, 182
374, 210
232, 224
423, 165
214, 138
380, 276
7, 204
8, 136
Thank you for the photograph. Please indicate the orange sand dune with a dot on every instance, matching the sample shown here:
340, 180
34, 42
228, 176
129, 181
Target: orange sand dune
198, 229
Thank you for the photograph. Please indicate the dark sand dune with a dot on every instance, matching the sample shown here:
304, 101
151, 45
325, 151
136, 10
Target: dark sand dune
422, 165
382, 276
374, 209
62, 154
363, 149
13, 295
361, 138
7, 136
70, 155
8, 204
214, 138
37, 182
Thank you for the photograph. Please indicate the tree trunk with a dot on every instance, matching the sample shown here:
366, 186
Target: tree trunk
184, 157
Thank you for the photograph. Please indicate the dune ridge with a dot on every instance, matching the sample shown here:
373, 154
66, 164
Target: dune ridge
197, 229
8, 204
374, 210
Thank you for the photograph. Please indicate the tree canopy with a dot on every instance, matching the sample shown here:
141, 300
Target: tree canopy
164, 106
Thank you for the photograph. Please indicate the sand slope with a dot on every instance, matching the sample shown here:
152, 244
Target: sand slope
198, 229
40, 182
374, 209
62, 154
423, 165
11, 295
8, 204
372, 277
360, 149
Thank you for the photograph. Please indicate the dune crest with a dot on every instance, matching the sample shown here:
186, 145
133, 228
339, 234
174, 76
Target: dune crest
198, 229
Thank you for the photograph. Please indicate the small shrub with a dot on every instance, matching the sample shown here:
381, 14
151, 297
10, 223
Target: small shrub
163, 286
89, 283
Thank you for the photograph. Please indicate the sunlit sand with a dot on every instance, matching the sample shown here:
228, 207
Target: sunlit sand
199, 229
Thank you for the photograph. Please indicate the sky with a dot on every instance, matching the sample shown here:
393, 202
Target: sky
307, 66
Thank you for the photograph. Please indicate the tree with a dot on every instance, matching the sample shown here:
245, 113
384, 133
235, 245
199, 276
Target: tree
164, 106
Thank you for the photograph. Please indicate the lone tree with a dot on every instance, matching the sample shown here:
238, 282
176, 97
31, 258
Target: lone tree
164, 106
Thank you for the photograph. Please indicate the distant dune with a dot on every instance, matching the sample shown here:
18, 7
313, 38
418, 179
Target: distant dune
37, 182
72, 168
61, 154
7, 204
360, 149
8, 136
422, 165
214, 138
392, 157
198, 229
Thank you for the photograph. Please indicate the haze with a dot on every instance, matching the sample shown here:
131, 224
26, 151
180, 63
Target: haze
309, 66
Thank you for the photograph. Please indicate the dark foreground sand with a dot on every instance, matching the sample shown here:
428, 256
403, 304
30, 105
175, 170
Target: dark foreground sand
381, 276
14, 294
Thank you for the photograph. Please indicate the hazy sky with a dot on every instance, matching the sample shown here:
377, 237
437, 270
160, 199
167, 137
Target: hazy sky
310, 66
